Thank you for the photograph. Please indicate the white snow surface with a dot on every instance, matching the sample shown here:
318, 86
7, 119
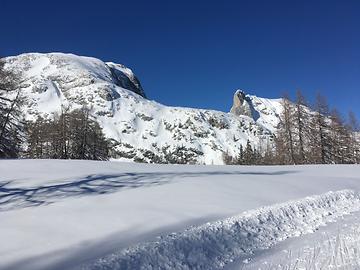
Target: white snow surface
215, 244
141, 126
61, 214
335, 246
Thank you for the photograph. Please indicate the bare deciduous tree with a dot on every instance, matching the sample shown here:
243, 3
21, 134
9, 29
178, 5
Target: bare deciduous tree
10, 114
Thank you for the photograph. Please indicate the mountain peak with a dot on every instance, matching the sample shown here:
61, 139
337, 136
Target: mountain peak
241, 105
240, 92
66, 69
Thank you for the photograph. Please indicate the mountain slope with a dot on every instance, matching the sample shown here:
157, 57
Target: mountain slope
144, 130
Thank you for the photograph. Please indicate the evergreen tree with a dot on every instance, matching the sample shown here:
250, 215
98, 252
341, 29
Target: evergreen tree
240, 158
248, 154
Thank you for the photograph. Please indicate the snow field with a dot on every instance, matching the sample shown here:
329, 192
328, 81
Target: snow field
214, 244
90, 210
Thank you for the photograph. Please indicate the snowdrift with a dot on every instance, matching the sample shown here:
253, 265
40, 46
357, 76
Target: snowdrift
213, 245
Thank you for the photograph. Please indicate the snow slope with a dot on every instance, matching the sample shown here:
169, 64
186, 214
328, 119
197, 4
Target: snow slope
145, 130
62, 214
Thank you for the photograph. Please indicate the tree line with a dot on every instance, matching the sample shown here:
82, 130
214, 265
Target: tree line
71, 134
307, 135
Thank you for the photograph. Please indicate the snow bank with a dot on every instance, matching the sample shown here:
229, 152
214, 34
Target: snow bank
213, 245
333, 247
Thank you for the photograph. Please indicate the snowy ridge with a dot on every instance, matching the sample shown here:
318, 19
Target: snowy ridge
213, 245
145, 131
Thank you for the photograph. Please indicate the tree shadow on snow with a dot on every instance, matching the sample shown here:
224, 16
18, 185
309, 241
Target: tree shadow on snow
17, 197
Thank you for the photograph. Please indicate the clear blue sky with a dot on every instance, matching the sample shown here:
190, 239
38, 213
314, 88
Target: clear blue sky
196, 53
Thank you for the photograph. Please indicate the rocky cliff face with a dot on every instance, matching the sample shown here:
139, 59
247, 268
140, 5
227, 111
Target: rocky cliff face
144, 130
263, 111
241, 105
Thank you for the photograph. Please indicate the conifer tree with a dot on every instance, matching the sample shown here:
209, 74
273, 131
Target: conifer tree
240, 158
248, 154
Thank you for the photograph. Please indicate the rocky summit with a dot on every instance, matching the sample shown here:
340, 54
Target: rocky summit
241, 105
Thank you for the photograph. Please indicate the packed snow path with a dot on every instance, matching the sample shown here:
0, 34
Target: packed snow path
65, 214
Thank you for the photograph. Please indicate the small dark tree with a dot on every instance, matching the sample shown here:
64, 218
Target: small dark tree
240, 158
248, 154
227, 158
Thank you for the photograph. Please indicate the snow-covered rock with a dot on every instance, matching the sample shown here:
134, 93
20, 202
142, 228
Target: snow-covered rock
145, 130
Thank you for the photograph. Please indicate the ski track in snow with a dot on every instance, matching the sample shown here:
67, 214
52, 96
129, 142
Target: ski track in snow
335, 246
215, 244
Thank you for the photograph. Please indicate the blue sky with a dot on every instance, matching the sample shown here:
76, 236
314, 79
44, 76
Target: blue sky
197, 53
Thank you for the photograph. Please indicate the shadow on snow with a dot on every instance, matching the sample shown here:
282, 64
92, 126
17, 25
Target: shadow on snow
13, 198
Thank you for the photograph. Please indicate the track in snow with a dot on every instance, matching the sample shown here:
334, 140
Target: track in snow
213, 245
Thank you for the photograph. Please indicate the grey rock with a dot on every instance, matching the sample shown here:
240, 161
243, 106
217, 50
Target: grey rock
240, 105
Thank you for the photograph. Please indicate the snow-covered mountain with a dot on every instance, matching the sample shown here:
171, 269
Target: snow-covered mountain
145, 130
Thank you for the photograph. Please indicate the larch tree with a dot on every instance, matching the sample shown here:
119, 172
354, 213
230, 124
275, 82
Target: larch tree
354, 128
340, 139
71, 134
301, 116
285, 141
320, 132
11, 132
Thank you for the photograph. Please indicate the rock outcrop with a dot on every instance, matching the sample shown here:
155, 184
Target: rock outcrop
241, 105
